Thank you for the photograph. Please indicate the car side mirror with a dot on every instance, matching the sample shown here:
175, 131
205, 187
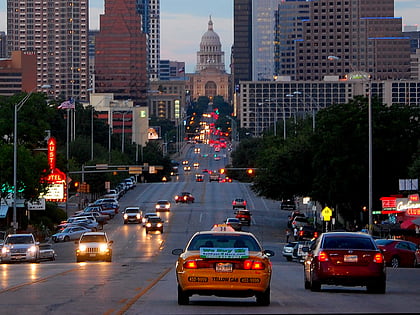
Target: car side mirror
268, 253
177, 251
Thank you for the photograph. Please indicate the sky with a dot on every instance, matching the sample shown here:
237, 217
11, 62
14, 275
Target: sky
183, 22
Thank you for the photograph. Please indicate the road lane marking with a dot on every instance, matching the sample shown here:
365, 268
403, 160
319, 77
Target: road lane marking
131, 302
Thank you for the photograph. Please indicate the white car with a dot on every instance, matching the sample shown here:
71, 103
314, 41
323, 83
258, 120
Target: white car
133, 215
94, 246
163, 205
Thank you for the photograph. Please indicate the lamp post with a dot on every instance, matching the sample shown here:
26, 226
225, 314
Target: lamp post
17, 107
365, 77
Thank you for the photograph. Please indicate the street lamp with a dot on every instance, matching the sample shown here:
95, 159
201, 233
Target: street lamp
17, 107
366, 77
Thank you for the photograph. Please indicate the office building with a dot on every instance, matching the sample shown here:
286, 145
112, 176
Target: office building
121, 53
3, 45
58, 33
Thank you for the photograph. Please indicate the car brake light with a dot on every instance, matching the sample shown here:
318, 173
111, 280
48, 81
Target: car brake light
244, 203
323, 256
253, 265
300, 233
379, 258
315, 234
190, 264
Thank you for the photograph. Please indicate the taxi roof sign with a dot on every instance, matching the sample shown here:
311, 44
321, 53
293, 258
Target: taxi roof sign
222, 228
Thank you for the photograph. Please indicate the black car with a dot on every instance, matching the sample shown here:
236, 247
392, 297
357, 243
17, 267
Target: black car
154, 224
307, 233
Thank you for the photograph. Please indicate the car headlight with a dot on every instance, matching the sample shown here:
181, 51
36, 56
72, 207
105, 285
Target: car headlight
159, 224
5, 250
125, 216
138, 216
157, 206
148, 225
103, 248
82, 247
167, 206
32, 249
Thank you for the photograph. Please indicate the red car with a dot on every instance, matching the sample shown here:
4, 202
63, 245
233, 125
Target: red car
244, 216
398, 253
347, 259
184, 197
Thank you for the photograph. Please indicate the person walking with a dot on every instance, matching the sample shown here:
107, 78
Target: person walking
287, 235
295, 233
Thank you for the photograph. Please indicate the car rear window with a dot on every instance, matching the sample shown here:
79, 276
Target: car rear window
348, 243
224, 241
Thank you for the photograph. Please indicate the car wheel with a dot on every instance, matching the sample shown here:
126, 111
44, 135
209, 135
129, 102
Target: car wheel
263, 298
183, 298
315, 286
395, 262
66, 238
378, 287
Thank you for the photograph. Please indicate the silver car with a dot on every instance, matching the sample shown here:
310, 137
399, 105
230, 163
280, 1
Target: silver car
70, 233
20, 247
46, 252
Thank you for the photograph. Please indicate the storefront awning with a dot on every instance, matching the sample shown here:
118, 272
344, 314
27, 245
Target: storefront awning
3, 211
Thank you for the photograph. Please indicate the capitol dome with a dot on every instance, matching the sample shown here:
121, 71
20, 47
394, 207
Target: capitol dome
210, 55
210, 41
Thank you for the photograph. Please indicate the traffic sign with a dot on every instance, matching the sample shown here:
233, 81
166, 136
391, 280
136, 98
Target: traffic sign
326, 214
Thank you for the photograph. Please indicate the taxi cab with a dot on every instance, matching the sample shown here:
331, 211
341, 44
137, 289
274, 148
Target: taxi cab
225, 264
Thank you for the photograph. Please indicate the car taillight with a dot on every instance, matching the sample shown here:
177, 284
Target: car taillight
190, 264
378, 258
244, 203
315, 234
322, 256
300, 233
253, 265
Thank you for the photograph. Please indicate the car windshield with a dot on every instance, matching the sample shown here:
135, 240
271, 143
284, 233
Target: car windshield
93, 239
24, 239
154, 220
224, 241
164, 202
348, 243
243, 212
132, 211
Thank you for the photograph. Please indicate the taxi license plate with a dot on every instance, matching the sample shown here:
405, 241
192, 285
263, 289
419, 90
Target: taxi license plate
350, 258
92, 255
223, 267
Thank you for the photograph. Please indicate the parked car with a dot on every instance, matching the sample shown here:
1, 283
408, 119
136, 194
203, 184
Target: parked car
20, 247
288, 250
235, 223
46, 252
70, 233
418, 256
205, 268
345, 258
133, 215
94, 246
113, 193
398, 253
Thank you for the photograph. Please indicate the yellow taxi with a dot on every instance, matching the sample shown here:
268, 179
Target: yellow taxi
223, 263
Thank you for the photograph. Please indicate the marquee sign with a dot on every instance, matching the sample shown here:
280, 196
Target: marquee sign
57, 188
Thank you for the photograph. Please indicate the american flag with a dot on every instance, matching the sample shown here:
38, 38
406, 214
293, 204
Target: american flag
181, 70
67, 104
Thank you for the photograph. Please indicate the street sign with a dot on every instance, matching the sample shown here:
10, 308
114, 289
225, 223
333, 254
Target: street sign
326, 214
101, 166
135, 170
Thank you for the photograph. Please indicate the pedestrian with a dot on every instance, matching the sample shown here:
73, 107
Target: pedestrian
287, 235
295, 233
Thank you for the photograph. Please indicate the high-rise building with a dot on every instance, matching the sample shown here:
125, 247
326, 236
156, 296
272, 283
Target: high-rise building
3, 45
121, 53
58, 33
295, 38
241, 57
364, 35
150, 12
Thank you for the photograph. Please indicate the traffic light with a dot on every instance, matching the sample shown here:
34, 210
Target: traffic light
250, 171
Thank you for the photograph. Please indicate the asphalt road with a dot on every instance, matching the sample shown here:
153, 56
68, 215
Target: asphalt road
141, 277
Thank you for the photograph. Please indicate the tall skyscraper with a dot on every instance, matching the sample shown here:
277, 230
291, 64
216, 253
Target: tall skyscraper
58, 33
295, 38
150, 12
121, 53
241, 67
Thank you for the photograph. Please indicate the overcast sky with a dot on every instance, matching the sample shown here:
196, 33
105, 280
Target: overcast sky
183, 22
